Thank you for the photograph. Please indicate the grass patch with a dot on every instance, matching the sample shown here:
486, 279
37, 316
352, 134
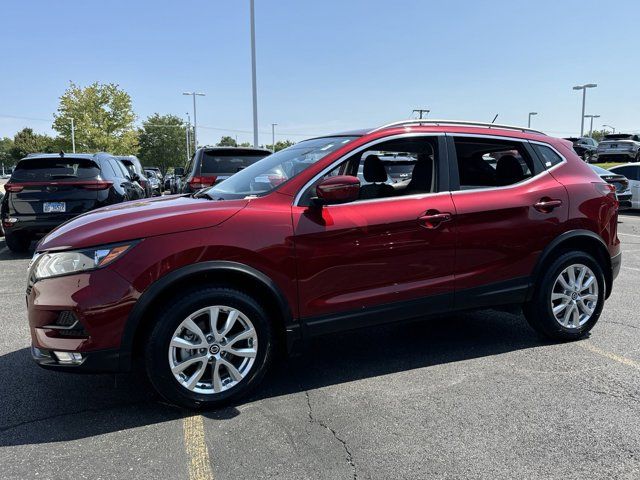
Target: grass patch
608, 165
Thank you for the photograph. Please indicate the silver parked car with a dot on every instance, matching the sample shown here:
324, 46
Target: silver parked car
632, 172
619, 147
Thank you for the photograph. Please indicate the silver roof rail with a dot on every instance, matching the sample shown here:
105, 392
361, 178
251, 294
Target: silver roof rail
455, 122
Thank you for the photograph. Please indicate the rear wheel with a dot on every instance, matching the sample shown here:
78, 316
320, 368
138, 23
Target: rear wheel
17, 242
209, 348
569, 297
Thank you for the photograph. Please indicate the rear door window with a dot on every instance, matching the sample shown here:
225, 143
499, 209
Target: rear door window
631, 172
55, 169
216, 163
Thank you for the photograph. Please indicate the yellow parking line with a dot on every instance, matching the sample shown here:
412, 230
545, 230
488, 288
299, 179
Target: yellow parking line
610, 355
197, 451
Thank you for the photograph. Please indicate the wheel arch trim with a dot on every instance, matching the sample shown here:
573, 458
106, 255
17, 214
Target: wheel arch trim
156, 289
557, 243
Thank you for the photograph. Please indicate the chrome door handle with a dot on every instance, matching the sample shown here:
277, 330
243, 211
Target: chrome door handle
546, 205
433, 220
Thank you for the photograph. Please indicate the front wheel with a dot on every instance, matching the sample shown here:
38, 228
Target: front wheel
568, 298
209, 348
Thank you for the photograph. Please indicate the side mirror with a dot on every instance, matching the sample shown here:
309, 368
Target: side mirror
178, 171
338, 189
135, 177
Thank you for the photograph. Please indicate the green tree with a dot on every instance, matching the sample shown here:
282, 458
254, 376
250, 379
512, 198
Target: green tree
598, 135
227, 141
103, 118
6, 147
26, 141
162, 142
280, 145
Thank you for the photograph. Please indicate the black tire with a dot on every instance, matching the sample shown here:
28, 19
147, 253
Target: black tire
17, 242
538, 311
157, 348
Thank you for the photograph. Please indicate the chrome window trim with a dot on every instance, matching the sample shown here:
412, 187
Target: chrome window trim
512, 139
357, 150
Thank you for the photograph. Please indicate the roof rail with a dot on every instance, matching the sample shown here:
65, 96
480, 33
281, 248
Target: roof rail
455, 122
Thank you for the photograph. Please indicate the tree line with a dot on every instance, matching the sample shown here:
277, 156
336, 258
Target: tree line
103, 120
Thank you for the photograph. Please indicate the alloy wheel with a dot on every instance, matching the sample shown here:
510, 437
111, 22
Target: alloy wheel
213, 349
574, 296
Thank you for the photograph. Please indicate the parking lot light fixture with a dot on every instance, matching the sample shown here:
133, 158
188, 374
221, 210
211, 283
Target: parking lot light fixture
531, 114
612, 128
591, 126
584, 99
195, 121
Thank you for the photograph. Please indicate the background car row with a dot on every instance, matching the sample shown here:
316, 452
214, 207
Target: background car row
615, 147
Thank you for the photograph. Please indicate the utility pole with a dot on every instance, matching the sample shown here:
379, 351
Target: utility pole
253, 74
273, 137
73, 136
420, 112
584, 101
195, 118
530, 115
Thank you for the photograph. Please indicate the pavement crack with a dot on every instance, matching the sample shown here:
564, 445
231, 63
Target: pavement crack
348, 454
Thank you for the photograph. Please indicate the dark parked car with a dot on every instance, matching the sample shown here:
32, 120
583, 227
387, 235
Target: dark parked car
136, 172
155, 182
619, 147
46, 190
623, 189
210, 165
491, 216
585, 147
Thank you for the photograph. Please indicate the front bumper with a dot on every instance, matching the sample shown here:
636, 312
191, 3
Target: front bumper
100, 300
102, 361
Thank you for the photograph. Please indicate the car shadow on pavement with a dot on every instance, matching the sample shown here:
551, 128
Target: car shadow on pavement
40, 406
6, 254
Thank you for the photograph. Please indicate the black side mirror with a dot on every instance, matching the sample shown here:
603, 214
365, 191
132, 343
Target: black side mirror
135, 177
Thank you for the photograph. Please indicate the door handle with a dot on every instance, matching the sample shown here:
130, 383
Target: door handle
433, 219
546, 205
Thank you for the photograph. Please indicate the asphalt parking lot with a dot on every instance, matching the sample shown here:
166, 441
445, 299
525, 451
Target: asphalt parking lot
469, 396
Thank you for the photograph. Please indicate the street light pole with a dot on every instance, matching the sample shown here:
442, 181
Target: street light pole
188, 139
584, 101
530, 115
73, 136
612, 128
253, 75
273, 137
195, 118
591, 126
420, 111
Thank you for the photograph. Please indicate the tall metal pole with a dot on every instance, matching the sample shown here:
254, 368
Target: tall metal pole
531, 114
188, 138
73, 136
591, 128
273, 137
195, 123
584, 101
253, 75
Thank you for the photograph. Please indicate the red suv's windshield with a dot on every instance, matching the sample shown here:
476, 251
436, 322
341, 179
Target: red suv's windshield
266, 174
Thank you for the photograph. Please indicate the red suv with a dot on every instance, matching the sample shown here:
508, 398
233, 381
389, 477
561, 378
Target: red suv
320, 238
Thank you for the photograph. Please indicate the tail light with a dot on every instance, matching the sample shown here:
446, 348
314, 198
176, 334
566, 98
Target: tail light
98, 185
606, 189
13, 187
197, 183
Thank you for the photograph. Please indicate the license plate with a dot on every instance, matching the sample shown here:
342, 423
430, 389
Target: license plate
54, 207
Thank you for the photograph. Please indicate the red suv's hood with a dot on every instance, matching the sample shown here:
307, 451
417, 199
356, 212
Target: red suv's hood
140, 219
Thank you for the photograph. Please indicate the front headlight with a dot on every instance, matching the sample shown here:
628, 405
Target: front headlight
55, 264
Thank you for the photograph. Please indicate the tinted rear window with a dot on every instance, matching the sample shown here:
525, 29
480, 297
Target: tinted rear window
54, 169
228, 162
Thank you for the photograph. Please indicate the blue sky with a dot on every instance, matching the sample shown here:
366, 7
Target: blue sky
326, 66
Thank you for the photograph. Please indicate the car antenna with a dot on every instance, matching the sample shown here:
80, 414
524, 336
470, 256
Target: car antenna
494, 118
